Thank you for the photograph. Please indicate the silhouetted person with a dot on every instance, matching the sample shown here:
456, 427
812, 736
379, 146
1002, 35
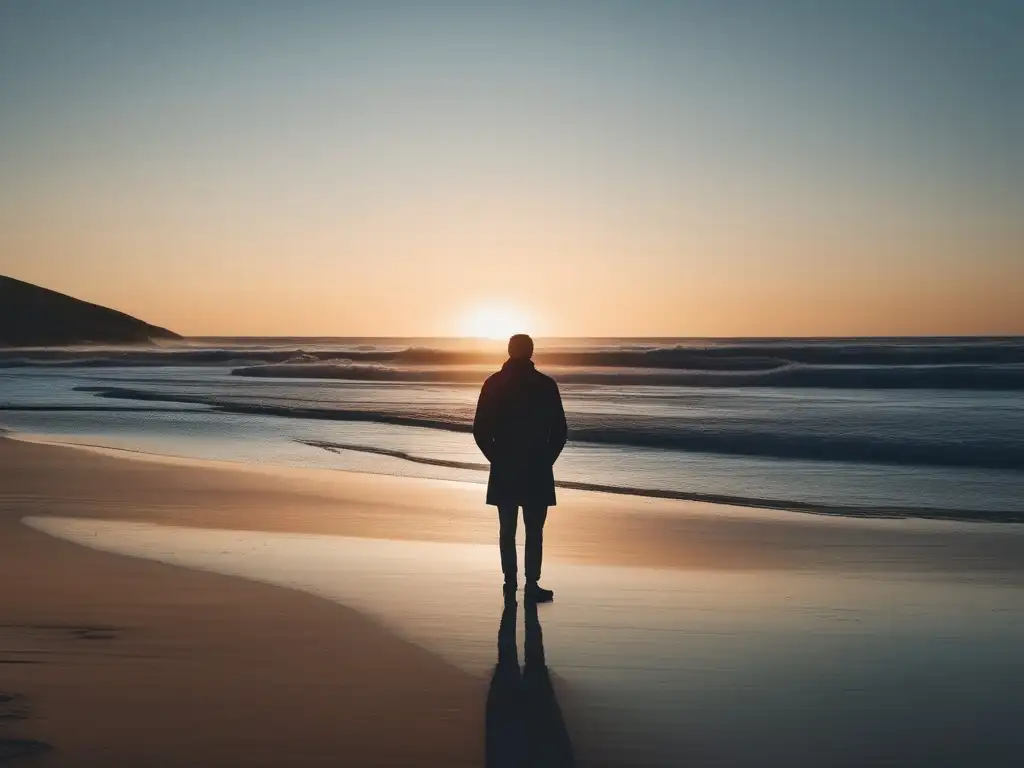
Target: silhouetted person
520, 428
525, 727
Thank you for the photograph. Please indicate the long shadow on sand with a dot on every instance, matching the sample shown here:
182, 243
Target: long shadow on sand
524, 723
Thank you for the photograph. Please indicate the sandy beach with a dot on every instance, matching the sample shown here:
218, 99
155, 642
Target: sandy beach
782, 624
109, 661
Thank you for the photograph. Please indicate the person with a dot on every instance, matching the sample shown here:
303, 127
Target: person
520, 428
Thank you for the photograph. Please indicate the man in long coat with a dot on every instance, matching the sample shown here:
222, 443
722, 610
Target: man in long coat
520, 427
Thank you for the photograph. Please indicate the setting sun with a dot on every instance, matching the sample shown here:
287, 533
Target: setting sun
493, 322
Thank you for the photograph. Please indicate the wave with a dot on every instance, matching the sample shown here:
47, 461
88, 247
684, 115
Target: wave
748, 355
631, 368
150, 358
970, 377
285, 411
956, 364
85, 409
958, 452
712, 498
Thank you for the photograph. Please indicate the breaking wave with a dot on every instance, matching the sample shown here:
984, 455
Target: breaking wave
981, 364
977, 377
706, 355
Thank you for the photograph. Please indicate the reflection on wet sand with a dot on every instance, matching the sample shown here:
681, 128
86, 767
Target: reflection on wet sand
670, 667
524, 723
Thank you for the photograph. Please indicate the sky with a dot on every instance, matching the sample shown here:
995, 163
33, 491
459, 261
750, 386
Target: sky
641, 168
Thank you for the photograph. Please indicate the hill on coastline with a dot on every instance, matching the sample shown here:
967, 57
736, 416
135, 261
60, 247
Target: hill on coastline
32, 316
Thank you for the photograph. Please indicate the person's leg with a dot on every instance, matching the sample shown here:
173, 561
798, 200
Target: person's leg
508, 519
534, 517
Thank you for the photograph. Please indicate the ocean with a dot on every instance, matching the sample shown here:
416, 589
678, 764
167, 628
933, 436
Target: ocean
903, 427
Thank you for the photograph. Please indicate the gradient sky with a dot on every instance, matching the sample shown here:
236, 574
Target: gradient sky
705, 168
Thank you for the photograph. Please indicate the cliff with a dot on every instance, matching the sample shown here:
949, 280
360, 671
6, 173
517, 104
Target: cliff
32, 316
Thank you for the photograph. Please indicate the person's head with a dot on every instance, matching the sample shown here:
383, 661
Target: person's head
520, 347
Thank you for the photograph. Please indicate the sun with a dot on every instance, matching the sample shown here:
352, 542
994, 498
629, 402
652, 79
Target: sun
493, 322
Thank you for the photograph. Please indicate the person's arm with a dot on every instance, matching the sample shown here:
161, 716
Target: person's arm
559, 430
483, 422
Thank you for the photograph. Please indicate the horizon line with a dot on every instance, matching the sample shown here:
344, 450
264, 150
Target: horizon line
995, 336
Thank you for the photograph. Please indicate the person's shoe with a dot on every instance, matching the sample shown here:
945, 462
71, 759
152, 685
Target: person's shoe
537, 594
509, 591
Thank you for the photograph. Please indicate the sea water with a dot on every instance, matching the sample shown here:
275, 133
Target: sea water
918, 427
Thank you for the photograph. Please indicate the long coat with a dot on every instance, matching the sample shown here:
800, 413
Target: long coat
520, 428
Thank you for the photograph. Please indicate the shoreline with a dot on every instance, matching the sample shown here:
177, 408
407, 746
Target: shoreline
809, 508
721, 504
585, 527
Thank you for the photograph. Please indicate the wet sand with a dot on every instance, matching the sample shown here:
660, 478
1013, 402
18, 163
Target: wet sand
682, 634
114, 661
586, 527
